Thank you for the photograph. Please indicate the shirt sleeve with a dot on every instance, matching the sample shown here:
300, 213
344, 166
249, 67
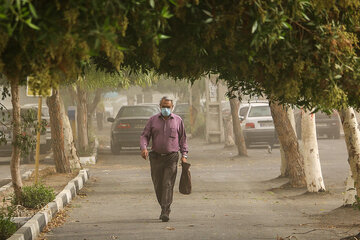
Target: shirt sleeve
145, 136
182, 139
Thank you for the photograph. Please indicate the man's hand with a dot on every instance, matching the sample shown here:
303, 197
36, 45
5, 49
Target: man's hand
144, 154
183, 159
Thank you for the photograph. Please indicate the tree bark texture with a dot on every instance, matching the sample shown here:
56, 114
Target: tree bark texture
352, 139
82, 119
95, 102
92, 107
16, 131
228, 130
290, 145
310, 150
238, 134
350, 191
69, 144
62, 163
284, 169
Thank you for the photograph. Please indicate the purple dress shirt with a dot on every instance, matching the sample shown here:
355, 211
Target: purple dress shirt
167, 135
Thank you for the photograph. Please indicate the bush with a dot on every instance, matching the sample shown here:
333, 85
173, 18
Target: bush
7, 227
35, 196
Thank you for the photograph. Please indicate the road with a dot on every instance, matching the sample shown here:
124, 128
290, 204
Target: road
233, 198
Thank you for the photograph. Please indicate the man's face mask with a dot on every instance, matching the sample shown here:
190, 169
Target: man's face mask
165, 112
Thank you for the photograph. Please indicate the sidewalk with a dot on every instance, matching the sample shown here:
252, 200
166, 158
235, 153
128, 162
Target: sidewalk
233, 198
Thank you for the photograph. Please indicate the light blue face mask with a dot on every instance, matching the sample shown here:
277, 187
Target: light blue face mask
165, 112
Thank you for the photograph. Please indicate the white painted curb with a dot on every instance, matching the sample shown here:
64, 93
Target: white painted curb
93, 158
31, 229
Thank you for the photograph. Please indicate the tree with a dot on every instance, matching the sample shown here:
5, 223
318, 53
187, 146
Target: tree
284, 168
239, 136
297, 52
310, 150
352, 139
290, 145
62, 163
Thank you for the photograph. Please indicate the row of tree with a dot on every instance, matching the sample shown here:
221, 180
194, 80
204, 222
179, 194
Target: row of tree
299, 52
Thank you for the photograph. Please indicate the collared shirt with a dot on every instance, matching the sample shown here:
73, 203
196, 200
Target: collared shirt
167, 135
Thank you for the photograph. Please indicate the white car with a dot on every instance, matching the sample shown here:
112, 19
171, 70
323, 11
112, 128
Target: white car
257, 124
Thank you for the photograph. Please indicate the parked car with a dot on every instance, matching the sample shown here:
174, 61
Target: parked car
6, 128
128, 125
328, 125
257, 124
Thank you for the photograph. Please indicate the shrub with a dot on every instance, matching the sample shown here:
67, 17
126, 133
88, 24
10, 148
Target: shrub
35, 196
7, 227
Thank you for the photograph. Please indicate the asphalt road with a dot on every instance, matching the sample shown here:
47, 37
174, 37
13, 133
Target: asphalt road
233, 198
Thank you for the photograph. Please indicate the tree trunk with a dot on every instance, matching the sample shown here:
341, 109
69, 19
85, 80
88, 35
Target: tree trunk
290, 145
69, 144
352, 139
284, 169
95, 102
312, 167
82, 119
16, 131
228, 131
350, 191
92, 107
62, 163
238, 134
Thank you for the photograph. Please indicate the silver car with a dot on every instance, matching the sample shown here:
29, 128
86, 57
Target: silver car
257, 124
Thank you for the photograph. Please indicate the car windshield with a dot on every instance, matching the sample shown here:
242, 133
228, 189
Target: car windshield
181, 108
260, 111
136, 111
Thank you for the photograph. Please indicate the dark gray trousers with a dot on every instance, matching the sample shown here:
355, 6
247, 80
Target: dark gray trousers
163, 174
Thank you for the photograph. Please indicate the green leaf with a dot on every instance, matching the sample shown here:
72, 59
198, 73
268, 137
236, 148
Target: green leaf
32, 10
30, 24
209, 20
18, 4
207, 13
337, 77
165, 13
287, 25
2, 16
254, 27
305, 16
162, 36
173, 2
152, 3
122, 48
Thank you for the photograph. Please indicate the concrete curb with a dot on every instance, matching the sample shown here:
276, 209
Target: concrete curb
93, 158
25, 176
32, 228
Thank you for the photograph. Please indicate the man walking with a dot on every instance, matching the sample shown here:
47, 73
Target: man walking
167, 132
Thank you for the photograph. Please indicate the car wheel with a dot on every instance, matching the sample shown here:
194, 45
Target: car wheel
115, 149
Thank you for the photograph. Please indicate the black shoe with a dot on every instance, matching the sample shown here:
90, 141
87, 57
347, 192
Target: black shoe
165, 218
